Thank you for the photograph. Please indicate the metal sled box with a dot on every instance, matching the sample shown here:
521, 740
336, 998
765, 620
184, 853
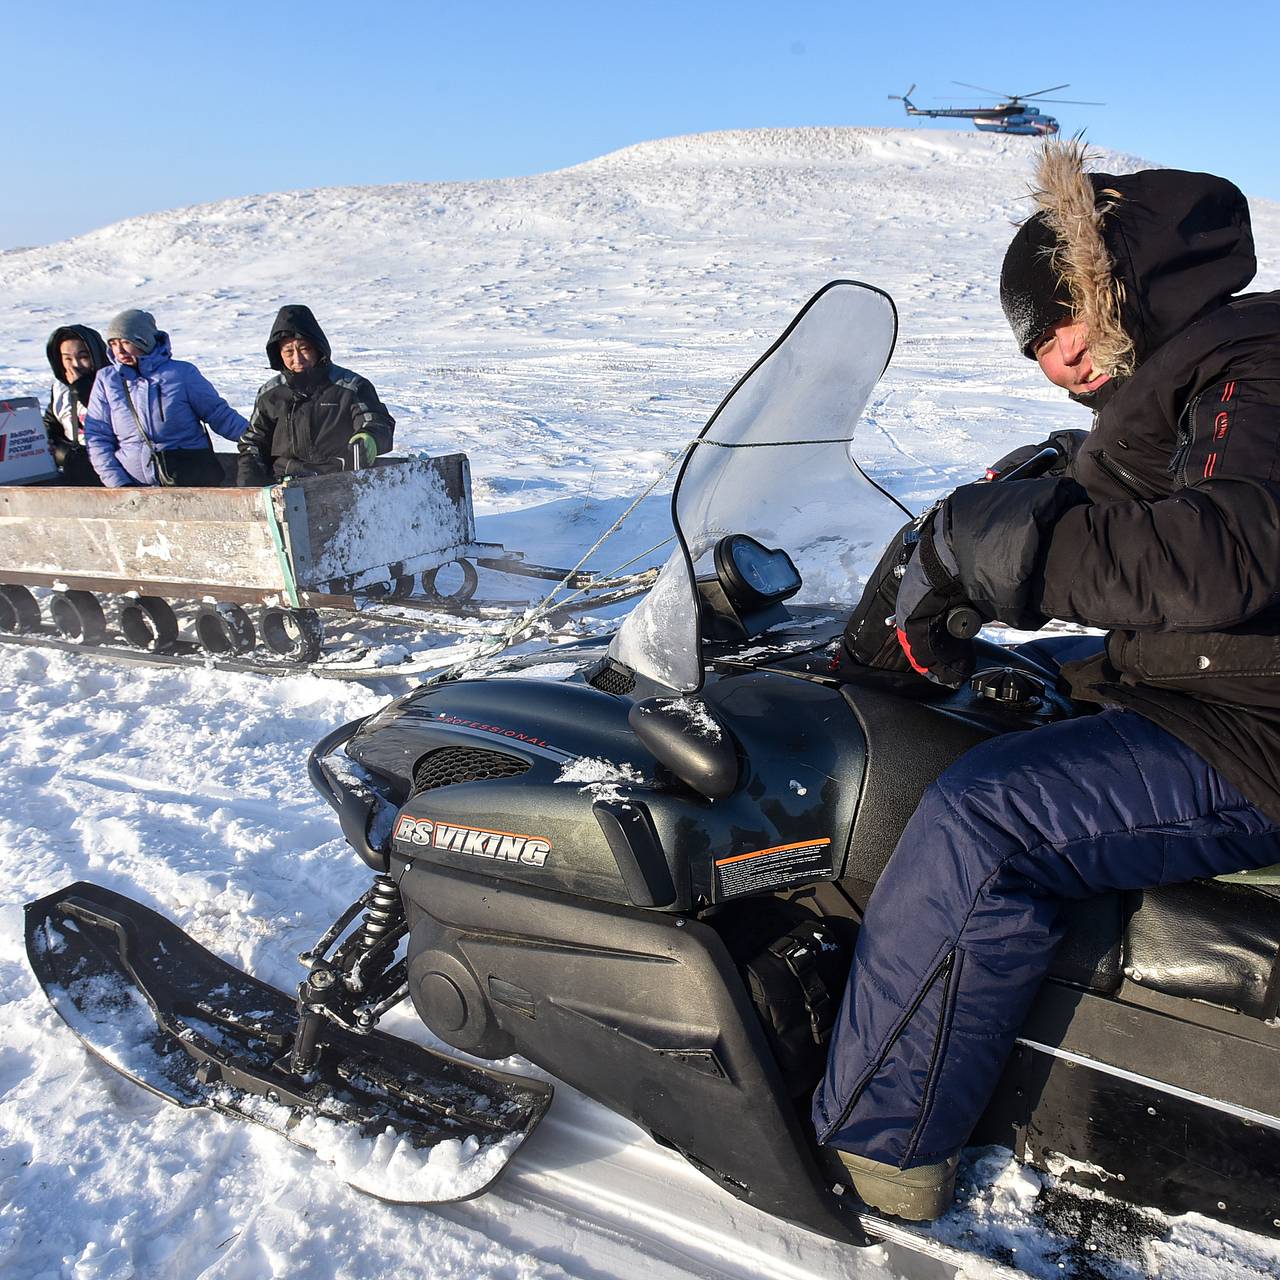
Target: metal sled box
323, 535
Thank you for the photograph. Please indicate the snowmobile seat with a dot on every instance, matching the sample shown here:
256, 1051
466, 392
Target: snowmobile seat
1090, 955
1208, 941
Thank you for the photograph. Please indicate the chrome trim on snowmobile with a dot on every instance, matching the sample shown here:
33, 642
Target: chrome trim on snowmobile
1175, 1091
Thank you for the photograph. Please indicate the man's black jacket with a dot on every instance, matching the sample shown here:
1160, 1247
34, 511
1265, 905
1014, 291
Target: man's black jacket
1166, 528
302, 423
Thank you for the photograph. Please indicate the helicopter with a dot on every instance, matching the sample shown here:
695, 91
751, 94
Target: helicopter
1014, 115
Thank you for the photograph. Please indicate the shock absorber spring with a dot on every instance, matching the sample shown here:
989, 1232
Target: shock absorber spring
384, 911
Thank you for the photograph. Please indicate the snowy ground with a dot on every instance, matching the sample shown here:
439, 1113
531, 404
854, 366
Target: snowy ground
570, 332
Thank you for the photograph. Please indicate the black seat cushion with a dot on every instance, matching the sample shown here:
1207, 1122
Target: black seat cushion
1207, 941
1090, 954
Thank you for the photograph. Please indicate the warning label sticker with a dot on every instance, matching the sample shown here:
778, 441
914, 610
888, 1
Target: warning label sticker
775, 868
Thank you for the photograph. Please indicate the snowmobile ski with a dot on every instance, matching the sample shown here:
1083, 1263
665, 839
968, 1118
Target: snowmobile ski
399, 1121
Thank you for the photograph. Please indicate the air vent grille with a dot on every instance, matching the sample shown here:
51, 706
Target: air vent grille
608, 679
451, 765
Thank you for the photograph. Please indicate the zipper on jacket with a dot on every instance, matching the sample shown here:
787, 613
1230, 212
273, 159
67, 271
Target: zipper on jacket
944, 967
930, 1079
1123, 476
1186, 438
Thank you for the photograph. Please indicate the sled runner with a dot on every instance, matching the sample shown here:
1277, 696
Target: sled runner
246, 579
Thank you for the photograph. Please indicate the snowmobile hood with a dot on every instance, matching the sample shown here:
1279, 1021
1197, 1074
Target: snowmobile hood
295, 319
1143, 255
90, 337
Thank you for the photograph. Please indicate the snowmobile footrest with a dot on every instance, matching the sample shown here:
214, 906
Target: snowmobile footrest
398, 1120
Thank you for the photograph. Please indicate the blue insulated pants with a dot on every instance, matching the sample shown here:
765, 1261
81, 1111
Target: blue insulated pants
963, 924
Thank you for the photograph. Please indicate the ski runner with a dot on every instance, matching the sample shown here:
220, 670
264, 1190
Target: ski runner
76, 353
313, 416
1164, 529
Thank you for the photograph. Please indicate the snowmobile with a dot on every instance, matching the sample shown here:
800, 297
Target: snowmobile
646, 877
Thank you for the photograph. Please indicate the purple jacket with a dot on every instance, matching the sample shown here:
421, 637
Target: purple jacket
171, 399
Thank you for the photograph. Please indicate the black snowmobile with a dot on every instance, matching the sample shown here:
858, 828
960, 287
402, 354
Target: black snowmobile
646, 876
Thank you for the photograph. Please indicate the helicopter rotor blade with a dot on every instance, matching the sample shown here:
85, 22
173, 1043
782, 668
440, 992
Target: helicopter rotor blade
1074, 102
1051, 89
980, 89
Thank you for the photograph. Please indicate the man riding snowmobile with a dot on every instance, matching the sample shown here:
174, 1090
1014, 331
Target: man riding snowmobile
1164, 529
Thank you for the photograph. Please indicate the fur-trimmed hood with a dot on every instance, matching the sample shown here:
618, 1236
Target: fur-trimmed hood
1143, 255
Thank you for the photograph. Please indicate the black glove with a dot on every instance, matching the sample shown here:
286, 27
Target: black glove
1066, 442
869, 635
251, 473
929, 591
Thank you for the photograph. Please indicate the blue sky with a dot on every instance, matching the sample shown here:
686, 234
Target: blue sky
125, 110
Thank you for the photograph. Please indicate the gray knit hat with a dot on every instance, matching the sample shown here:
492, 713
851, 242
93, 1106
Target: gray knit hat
138, 327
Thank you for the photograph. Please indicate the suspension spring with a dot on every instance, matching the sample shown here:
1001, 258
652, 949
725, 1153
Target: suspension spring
383, 912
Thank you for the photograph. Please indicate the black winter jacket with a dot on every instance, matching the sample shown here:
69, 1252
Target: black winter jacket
64, 415
302, 423
1166, 528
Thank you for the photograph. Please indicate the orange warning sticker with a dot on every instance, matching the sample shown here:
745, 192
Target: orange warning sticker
778, 867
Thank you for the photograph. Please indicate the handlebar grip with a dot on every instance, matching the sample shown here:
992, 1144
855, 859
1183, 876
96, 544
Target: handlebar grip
963, 622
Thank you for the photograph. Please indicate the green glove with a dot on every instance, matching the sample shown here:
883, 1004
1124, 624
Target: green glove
364, 449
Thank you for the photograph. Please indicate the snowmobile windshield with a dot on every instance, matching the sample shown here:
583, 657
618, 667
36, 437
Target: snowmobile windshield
776, 462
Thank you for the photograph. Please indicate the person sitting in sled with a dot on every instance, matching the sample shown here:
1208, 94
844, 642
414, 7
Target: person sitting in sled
76, 353
145, 424
313, 417
1163, 528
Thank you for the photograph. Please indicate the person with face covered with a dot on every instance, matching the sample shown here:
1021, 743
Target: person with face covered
313, 417
145, 424
1162, 528
76, 353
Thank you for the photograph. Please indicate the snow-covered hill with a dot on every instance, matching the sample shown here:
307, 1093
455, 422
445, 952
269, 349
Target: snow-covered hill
570, 331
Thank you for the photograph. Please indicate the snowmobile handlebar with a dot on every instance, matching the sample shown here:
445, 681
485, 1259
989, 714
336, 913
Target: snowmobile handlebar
964, 621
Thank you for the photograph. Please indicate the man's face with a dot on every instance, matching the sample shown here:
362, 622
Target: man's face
1063, 356
124, 351
77, 360
298, 355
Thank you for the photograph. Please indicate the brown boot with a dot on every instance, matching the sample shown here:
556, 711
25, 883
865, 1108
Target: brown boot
919, 1195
